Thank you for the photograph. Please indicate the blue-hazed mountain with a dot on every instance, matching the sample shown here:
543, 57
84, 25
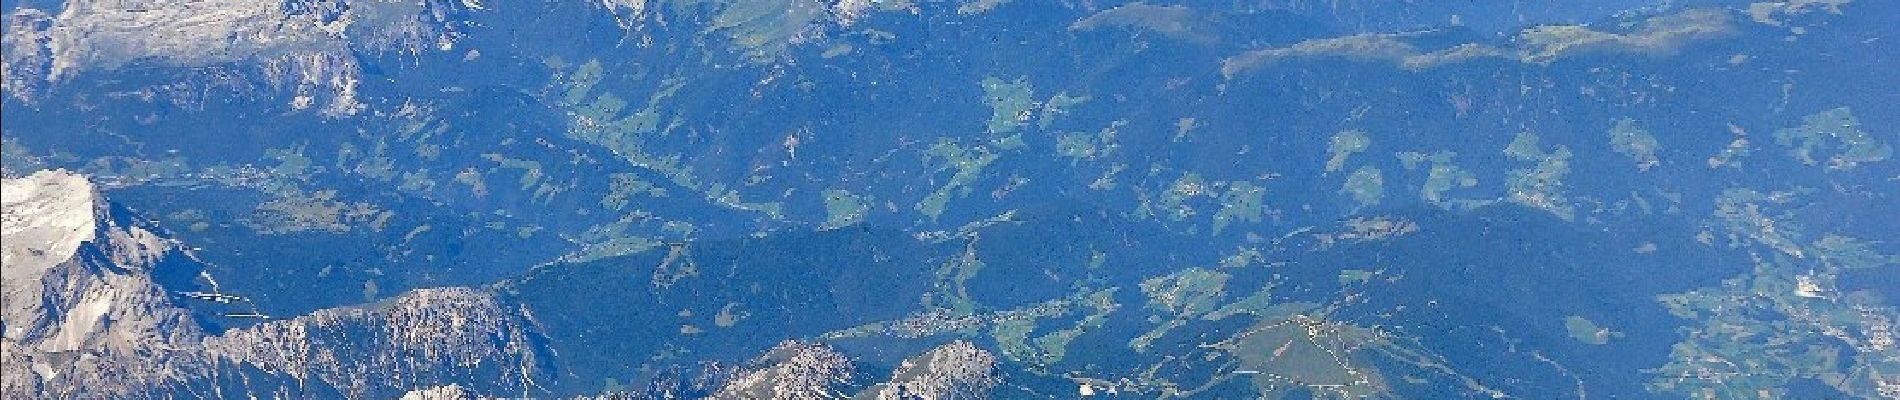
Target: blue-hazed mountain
87, 316
981, 198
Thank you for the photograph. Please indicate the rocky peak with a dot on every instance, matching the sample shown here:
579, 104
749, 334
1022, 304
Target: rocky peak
447, 392
81, 309
957, 370
308, 46
45, 217
84, 318
455, 336
793, 370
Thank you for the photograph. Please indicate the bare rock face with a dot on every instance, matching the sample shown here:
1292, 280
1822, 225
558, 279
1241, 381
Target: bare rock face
805, 370
449, 392
26, 54
792, 370
305, 45
81, 313
83, 318
958, 370
427, 337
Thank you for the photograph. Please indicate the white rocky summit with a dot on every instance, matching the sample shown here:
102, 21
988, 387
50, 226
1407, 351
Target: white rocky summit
956, 370
303, 45
45, 217
83, 318
81, 311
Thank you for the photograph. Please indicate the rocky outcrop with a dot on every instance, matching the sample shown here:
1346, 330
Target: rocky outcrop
427, 337
958, 370
304, 45
26, 54
81, 312
810, 370
449, 392
793, 370
83, 317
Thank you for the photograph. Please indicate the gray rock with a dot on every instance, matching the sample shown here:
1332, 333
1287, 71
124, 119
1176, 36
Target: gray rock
424, 338
83, 318
793, 370
958, 370
306, 45
449, 392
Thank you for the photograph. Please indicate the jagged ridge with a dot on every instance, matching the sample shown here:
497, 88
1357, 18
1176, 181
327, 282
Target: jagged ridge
83, 317
305, 45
